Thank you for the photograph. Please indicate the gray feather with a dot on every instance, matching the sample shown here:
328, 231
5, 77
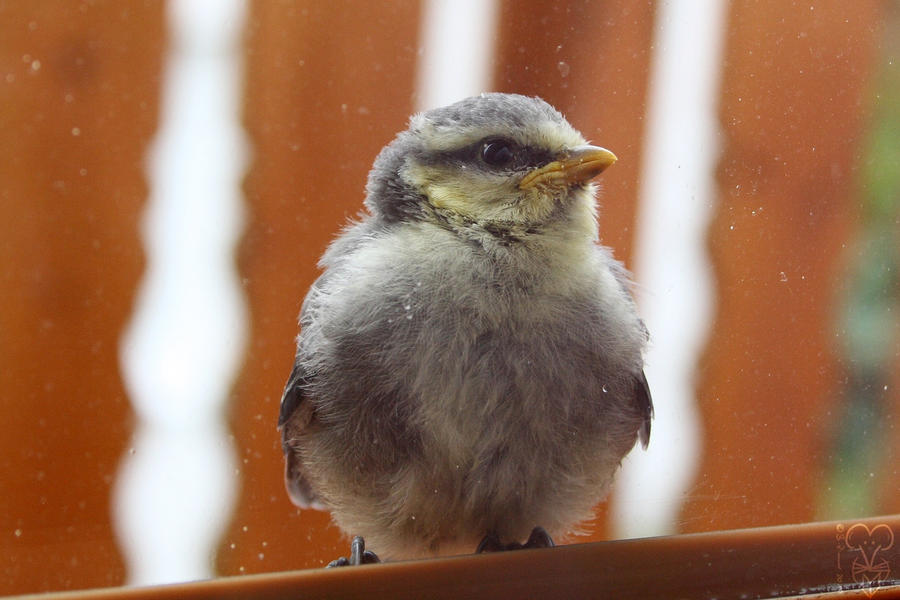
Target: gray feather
470, 360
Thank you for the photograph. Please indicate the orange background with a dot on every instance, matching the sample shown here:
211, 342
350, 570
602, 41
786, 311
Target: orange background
326, 85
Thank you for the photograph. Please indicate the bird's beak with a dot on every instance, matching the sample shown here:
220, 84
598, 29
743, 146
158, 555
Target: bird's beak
575, 166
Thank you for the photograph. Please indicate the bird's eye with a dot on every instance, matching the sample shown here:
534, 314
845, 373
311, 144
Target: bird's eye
497, 153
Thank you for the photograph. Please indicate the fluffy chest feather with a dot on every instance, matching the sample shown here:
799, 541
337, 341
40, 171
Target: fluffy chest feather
440, 319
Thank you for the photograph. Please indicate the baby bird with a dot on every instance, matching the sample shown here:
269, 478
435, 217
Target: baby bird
469, 367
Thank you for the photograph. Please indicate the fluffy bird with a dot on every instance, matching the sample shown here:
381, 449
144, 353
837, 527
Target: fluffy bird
469, 369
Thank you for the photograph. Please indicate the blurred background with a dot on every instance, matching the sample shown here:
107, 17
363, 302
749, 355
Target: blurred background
170, 173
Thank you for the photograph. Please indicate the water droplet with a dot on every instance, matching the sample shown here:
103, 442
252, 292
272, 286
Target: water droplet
563, 68
782, 276
18, 532
604, 389
76, 131
35, 65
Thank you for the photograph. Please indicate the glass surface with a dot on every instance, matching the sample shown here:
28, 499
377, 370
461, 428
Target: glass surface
170, 174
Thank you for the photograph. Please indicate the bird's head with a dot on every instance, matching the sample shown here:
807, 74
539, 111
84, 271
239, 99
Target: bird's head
494, 161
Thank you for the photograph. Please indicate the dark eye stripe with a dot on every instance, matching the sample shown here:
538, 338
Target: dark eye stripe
470, 156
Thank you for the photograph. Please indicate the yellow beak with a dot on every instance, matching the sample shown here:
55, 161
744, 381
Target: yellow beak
577, 165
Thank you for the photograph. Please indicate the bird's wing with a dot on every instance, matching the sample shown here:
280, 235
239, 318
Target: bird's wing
645, 403
299, 380
293, 394
295, 416
642, 397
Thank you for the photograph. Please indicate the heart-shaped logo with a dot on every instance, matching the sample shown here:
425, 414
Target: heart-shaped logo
869, 564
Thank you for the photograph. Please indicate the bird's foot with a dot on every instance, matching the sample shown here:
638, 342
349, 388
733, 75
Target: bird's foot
539, 538
358, 555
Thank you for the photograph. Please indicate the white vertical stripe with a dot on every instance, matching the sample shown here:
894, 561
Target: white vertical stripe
180, 352
457, 42
672, 266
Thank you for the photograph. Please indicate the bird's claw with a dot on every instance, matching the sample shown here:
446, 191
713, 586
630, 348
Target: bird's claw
539, 538
358, 555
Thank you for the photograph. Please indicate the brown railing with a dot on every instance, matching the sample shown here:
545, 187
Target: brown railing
821, 560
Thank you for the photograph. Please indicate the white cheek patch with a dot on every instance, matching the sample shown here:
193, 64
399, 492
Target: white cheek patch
478, 196
479, 201
461, 192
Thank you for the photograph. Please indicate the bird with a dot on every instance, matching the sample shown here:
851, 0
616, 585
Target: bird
469, 370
